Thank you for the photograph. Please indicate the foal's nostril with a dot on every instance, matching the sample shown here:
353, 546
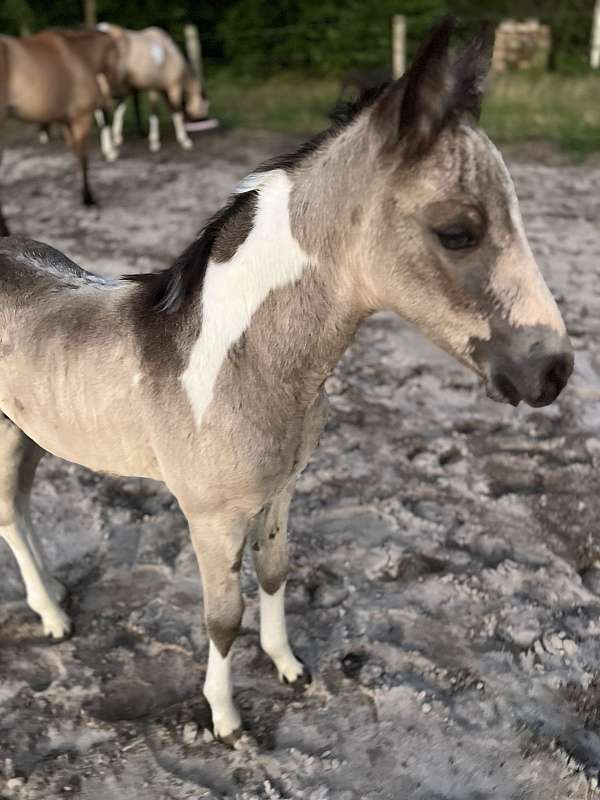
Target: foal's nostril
554, 378
558, 372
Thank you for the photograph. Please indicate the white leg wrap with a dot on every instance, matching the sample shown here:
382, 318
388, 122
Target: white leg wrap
180, 132
273, 635
154, 135
218, 691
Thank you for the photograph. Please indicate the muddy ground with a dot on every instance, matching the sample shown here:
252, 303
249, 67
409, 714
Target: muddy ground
445, 585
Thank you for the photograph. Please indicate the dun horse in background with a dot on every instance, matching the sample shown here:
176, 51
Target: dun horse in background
106, 58
45, 79
155, 65
209, 375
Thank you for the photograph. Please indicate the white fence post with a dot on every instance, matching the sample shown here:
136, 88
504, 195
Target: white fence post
399, 44
595, 48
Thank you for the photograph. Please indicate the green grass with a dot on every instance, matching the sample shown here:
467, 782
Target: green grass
561, 109
519, 106
289, 103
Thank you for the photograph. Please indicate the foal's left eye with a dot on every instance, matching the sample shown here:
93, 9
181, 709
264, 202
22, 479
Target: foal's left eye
456, 239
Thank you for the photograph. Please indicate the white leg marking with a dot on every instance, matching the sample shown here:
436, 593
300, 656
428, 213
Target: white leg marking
117, 126
44, 138
38, 585
55, 588
180, 132
154, 135
106, 144
219, 693
270, 257
273, 635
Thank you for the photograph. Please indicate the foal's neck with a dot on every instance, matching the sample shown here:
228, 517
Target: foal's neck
276, 313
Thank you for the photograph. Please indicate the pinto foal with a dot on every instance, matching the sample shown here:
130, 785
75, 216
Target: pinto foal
210, 375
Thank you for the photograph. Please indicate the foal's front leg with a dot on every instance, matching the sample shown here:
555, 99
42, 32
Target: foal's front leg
270, 554
219, 542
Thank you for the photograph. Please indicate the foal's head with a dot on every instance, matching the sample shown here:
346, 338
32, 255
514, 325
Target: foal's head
437, 231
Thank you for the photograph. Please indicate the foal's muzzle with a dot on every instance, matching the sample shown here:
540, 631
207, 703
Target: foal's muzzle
538, 380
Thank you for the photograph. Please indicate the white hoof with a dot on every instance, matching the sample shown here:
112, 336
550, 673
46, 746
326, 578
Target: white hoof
154, 147
186, 144
111, 155
57, 624
289, 669
227, 725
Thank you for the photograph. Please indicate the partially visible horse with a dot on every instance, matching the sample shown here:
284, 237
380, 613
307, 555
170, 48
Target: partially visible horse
45, 80
106, 57
154, 64
209, 375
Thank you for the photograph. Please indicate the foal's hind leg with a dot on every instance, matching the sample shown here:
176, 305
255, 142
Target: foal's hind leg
219, 542
270, 554
19, 457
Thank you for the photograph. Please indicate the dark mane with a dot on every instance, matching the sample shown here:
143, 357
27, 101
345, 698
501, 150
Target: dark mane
168, 291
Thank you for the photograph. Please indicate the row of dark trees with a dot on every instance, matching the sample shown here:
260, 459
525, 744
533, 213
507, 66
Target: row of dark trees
259, 37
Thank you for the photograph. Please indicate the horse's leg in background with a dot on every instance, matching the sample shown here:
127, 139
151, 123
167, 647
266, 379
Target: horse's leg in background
106, 140
117, 123
3, 226
76, 134
153, 123
44, 134
3, 112
268, 537
19, 457
137, 108
218, 542
175, 99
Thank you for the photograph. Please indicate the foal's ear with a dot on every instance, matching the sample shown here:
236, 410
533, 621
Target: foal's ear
471, 70
415, 107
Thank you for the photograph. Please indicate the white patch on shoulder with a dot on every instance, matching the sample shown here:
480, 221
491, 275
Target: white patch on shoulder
269, 258
157, 52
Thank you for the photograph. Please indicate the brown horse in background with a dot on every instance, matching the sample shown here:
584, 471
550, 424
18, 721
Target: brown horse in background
107, 58
44, 79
